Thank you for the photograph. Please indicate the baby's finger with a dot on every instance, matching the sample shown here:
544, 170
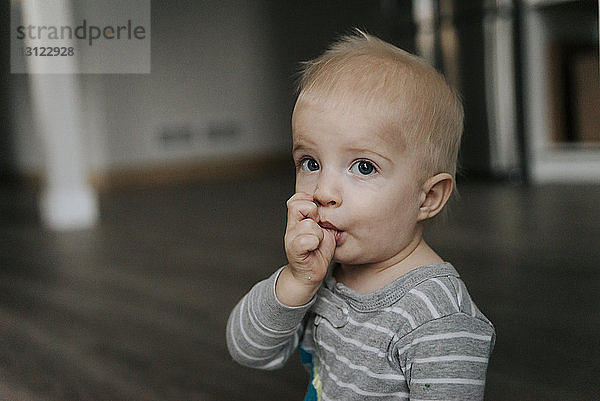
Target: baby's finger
303, 227
309, 226
301, 196
300, 207
302, 245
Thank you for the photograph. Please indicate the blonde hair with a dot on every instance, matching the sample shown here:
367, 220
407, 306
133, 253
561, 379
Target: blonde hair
412, 98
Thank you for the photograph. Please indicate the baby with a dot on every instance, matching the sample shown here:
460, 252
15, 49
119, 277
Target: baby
375, 312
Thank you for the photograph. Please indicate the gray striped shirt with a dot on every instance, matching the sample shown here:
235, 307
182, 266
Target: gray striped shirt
420, 338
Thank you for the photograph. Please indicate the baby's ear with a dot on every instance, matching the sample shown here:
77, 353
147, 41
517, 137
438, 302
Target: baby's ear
434, 195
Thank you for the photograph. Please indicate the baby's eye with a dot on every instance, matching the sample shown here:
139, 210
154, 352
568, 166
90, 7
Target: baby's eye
363, 167
309, 164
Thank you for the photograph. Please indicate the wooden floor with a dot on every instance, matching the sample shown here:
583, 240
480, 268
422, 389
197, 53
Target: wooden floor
135, 309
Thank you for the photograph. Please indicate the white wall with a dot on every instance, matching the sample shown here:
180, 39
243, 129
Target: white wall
212, 63
549, 161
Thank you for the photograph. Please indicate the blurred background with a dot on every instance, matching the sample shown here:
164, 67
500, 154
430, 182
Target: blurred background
127, 240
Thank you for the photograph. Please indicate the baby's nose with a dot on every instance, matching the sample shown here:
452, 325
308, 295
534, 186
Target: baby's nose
326, 194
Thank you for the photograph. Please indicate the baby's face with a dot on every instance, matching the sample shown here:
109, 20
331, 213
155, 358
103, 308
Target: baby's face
362, 180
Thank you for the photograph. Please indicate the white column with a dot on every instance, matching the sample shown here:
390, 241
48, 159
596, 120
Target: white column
424, 14
500, 85
67, 201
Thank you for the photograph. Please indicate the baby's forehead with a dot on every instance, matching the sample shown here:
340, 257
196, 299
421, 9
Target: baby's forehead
349, 123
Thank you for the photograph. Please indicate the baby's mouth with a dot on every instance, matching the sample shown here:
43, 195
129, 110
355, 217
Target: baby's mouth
327, 225
330, 227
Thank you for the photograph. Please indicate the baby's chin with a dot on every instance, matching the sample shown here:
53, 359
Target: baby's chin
340, 258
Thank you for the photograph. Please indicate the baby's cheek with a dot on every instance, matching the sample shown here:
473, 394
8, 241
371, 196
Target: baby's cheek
304, 185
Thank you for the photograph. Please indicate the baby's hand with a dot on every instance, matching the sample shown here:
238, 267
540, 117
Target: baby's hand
309, 250
309, 247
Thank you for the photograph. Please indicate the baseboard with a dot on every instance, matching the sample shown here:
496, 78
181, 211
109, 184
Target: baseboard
172, 172
168, 173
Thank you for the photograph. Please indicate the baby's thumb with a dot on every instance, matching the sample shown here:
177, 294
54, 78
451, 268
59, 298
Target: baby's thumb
327, 246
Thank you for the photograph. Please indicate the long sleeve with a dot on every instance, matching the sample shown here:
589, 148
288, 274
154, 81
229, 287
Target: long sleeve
447, 358
261, 332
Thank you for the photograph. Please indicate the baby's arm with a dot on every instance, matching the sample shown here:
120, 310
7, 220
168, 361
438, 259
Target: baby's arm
265, 326
309, 249
261, 332
447, 358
